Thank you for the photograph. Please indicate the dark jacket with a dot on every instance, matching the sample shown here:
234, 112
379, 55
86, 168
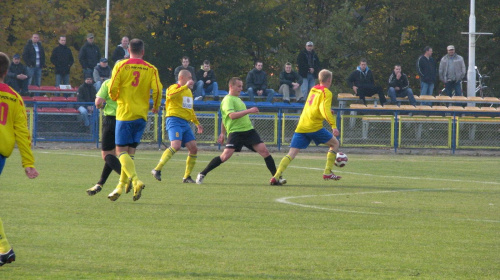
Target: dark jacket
257, 80
118, 53
289, 78
402, 83
210, 76
189, 68
89, 55
86, 93
426, 69
29, 54
303, 63
359, 78
14, 70
62, 58
100, 72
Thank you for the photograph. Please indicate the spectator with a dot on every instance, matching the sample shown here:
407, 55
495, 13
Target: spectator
257, 83
362, 82
206, 82
121, 50
185, 66
102, 72
34, 57
86, 93
399, 86
62, 58
17, 76
452, 71
426, 69
89, 55
290, 80
309, 66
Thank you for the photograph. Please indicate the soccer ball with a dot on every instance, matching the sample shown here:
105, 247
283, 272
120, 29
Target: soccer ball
341, 160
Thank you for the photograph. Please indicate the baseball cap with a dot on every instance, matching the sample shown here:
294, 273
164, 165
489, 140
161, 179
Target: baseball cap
104, 59
450, 47
90, 35
16, 56
309, 43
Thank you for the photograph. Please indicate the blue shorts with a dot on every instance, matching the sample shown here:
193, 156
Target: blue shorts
302, 140
179, 129
2, 163
129, 133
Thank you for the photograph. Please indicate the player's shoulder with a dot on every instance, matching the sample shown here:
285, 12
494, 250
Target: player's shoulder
7, 91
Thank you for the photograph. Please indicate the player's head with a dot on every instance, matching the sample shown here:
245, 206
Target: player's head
136, 48
235, 85
325, 77
4, 65
184, 77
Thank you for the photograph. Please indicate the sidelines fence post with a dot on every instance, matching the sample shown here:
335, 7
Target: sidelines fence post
280, 117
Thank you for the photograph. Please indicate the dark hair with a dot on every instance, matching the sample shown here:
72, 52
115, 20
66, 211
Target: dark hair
206, 62
288, 63
427, 48
4, 64
397, 65
136, 46
258, 61
363, 60
184, 57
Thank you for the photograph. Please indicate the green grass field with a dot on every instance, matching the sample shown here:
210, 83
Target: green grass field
390, 217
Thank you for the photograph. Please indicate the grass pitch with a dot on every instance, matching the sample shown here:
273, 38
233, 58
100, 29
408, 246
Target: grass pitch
389, 217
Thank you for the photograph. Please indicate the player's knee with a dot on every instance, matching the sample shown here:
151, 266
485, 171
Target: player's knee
176, 146
193, 150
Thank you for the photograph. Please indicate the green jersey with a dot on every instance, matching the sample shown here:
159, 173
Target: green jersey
231, 104
110, 108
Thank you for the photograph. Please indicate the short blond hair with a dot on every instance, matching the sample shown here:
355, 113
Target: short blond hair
324, 75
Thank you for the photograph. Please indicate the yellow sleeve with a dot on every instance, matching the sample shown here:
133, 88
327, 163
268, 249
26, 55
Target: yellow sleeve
23, 137
157, 89
175, 90
326, 109
114, 91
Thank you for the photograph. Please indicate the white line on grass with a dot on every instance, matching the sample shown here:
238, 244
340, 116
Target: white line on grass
285, 200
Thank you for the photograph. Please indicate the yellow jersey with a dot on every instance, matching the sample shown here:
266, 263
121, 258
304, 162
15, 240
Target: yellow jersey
131, 83
316, 109
14, 126
180, 103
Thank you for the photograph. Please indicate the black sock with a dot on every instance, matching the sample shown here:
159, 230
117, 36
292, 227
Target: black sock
216, 161
113, 162
270, 164
105, 174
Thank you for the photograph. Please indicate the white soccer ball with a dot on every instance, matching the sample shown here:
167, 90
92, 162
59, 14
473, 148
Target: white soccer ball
341, 160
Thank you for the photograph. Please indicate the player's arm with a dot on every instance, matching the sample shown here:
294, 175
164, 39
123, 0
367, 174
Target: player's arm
222, 134
176, 90
240, 114
115, 82
326, 109
23, 139
157, 88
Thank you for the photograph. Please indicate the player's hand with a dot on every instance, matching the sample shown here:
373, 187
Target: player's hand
31, 172
155, 111
200, 129
190, 84
99, 102
220, 139
335, 132
253, 110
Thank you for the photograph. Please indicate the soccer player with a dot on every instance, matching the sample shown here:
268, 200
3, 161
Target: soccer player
236, 122
108, 154
310, 127
180, 112
132, 81
13, 129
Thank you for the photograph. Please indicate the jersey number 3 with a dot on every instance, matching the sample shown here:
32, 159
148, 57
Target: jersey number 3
137, 75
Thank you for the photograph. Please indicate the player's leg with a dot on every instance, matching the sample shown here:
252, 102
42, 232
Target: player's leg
175, 145
268, 158
334, 144
190, 161
175, 129
6, 253
285, 161
214, 163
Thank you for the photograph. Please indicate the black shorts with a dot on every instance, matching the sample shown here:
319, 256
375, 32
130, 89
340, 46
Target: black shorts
237, 140
108, 133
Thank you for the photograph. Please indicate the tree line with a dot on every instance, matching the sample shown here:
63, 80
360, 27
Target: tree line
233, 34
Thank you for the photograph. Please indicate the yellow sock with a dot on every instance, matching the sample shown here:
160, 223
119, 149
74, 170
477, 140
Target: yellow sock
4, 244
283, 165
330, 160
128, 166
190, 162
166, 156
